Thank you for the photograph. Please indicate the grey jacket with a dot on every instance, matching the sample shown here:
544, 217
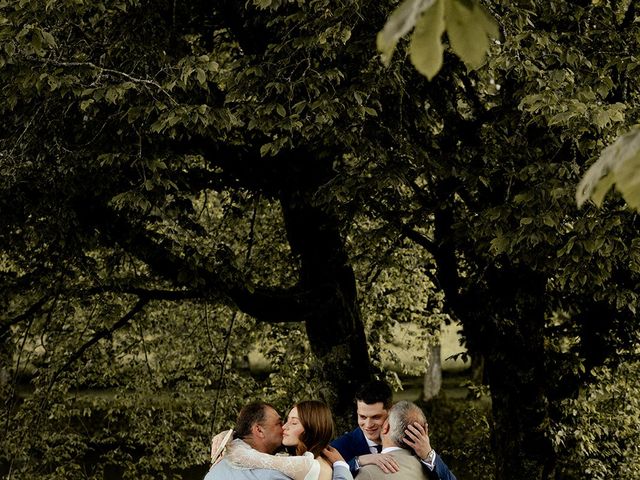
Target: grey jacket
223, 471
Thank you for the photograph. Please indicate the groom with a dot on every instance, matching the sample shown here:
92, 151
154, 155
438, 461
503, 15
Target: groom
401, 415
362, 446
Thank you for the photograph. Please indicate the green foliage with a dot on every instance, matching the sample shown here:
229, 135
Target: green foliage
145, 402
460, 430
107, 435
617, 165
152, 158
504, 152
468, 28
597, 436
144, 156
401, 307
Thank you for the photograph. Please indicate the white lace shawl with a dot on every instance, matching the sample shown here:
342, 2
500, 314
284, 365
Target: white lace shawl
241, 456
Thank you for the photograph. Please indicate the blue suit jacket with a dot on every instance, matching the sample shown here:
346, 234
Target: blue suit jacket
353, 444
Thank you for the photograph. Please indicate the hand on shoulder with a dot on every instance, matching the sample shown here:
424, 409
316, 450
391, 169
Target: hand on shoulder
331, 455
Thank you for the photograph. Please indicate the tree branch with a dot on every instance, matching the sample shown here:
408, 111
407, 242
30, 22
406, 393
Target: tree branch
203, 277
28, 313
110, 72
415, 236
151, 294
99, 335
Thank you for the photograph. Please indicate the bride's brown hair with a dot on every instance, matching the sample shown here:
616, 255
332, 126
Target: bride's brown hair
317, 421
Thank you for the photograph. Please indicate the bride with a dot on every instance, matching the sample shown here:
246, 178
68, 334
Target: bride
306, 436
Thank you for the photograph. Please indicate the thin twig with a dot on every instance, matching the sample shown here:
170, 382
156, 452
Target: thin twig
99, 335
110, 71
144, 348
233, 319
26, 128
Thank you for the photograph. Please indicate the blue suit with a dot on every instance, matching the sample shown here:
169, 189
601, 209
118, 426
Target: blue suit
353, 444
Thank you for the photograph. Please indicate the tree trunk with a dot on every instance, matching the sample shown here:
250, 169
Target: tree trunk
502, 313
477, 369
334, 326
433, 375
516, 376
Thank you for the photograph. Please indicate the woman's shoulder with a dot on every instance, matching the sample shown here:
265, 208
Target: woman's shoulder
326, 471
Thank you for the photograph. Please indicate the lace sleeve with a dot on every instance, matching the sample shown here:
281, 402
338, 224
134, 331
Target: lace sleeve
218, 445
304, 467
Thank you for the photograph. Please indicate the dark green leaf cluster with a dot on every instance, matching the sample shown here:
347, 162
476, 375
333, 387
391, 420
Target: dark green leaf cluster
597, 435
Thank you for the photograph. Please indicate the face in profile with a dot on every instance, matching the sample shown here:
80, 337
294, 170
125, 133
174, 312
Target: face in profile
371, 417
272, 428
292, 429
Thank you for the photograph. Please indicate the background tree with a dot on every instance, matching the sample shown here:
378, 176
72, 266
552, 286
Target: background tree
171, 105
497, 183
138, 142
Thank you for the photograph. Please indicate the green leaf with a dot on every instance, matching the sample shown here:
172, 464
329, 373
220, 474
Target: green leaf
426, 42
265, 149
201, 76
9, 49
345, 35
84, 104
500, 244
370, 111
469, 29
112, 95
36, 42
48, 38
399, 23
618, 164
601, 189
562, 118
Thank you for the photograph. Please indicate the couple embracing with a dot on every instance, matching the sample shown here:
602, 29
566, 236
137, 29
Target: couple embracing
390, 442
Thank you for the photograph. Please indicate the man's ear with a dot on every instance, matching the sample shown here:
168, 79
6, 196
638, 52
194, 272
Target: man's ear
386, 427
257, 431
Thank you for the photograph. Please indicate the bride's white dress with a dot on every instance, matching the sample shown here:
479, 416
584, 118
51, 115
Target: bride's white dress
240, 455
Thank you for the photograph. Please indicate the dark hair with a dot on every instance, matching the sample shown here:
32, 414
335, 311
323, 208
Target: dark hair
250, 414
317, 422
374, 392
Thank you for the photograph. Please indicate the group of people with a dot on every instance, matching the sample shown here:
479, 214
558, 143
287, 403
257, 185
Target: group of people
391, 441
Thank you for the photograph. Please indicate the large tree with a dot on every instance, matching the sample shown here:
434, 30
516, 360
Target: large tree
124, 121
118, 117
493, 204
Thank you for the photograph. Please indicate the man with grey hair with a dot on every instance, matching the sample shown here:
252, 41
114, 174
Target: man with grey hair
260, 427
397, 441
